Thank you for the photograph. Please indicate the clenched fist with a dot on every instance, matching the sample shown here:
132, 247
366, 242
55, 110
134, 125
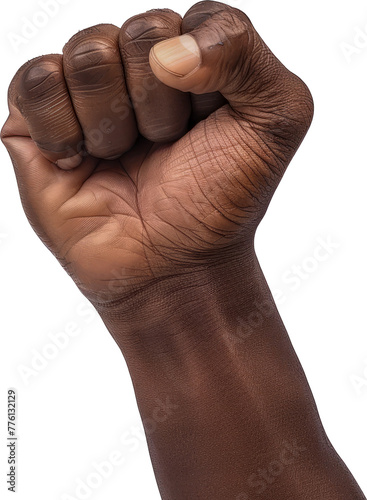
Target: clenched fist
154, 149
146, 157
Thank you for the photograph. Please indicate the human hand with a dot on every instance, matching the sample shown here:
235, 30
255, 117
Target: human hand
191, 175
175, 184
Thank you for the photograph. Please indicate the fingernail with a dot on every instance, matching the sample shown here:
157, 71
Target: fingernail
69, 163
180, 55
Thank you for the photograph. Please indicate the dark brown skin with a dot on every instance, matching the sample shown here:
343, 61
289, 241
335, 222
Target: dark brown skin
152, 208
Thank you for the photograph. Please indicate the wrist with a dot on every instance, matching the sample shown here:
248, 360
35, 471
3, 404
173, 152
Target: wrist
225, 298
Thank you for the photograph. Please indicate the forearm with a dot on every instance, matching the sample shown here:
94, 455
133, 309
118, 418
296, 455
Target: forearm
225, 404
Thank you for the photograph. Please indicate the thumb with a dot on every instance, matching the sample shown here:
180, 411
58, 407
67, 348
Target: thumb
225, 53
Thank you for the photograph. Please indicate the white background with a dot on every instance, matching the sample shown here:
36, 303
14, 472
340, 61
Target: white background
80, 407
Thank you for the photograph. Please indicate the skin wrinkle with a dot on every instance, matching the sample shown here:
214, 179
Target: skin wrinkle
261, 146
141, 45
223, 149
150, 23
144, 230
41, 78
94, 85
75, 193
279, 161
201, 221
92, 47
257, 196
32, 88
248, 166
81, 237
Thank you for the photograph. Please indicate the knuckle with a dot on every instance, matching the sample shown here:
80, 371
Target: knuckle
38, 77
303, 106
93, 32
92, 60
199, 13
225, 16
150, 26
90, 53
207, 6
229, 23
294, 114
